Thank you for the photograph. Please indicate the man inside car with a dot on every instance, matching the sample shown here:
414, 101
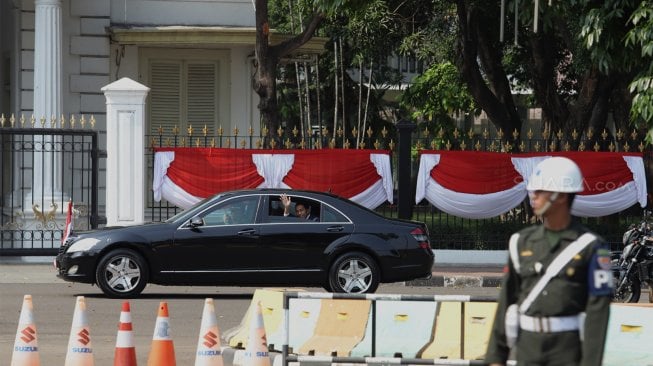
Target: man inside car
302, 210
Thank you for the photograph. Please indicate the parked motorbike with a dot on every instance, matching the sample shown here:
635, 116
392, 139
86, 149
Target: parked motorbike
634, 266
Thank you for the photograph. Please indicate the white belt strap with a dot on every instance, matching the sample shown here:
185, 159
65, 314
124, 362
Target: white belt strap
560, 261
514, 251
551, 324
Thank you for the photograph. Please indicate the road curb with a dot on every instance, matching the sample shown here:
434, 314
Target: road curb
458, 281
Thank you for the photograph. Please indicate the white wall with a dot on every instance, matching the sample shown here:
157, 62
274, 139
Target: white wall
236, 13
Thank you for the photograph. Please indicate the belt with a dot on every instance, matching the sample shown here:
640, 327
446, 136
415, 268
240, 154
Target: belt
550, 324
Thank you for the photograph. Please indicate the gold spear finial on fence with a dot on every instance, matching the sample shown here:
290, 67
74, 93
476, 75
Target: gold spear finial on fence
369, 132
641, 147
545, 134
295, 131
434, 144
175, 130
456, 133
220, 131
522, 146
198, 143
205, 130
279, 131
604, 134
391, 145
552, 146
243, 143
574, 134
582, 146
448, 145
53, 121
183, 141
302, 144
419, 145
264, 131
441, 133
597, 147
470, 133
560, 134
463, 145
212, 142
626, 147
567, 147
82, 121
332, 143
377, 144
42, 120
62, 121
634, 134
500, 133
354, 132
478, 145
237, 131
228, 143
92, 121
537, 146
2, 120
32, 120
507, 147
152, 142
72, 121
426, 131
384, 132
620, 134
250, 131
22, 120
189, 130
590, 133
259, 144
339, 131
515, 134
486, 133
529, 134
611, 147
288, 143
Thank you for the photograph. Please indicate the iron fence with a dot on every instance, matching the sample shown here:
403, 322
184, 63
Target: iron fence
42, 169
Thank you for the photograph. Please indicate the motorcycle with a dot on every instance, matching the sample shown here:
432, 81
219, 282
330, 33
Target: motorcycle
634, 265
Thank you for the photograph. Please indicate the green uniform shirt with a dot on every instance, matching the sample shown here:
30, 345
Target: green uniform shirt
568, 293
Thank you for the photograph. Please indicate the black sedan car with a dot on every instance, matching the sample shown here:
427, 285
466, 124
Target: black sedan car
250, 238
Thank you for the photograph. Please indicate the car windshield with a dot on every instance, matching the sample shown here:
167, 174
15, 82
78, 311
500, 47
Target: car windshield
183, 215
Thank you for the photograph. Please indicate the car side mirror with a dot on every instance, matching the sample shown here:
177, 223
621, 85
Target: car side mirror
196, 221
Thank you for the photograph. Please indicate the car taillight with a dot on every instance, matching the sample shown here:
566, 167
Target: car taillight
422, 238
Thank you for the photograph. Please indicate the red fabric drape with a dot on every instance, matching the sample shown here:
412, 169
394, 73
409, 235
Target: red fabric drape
203, 172
486, 172
475, 172
345, 173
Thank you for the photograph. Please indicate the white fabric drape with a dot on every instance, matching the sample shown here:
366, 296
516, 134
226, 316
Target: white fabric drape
525, 166
273, 168
607, 203
162, 160
636, 166
382, 164
426, 163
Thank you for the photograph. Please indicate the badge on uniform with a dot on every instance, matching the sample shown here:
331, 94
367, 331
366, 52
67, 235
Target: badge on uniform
600, 276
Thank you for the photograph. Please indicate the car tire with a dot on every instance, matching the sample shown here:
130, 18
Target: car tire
122, 273
355, 273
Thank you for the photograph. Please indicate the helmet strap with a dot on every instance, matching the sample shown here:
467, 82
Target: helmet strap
547, 205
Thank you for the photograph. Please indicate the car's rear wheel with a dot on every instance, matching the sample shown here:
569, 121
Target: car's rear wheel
121, 273
354, 273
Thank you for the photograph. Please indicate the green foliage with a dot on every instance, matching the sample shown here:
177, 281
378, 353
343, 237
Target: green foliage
641, 37
436, 94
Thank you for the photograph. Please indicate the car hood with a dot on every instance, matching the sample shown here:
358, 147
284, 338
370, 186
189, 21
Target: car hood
112, 230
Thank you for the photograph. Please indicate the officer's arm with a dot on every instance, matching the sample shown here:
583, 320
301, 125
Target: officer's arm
598, 306
498, 350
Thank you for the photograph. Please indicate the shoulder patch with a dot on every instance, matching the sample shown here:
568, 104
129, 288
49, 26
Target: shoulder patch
526, 253
599, 276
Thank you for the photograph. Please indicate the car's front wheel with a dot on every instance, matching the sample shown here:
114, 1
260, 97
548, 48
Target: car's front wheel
121, 273
354, 273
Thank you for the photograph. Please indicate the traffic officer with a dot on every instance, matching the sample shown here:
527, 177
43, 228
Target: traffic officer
558, 285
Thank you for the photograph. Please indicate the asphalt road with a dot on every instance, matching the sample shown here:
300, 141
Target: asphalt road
54, 302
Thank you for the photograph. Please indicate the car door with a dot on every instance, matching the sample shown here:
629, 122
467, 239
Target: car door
293, 247
223, 244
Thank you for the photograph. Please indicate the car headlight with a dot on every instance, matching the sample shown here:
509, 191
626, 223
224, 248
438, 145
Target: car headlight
82, 245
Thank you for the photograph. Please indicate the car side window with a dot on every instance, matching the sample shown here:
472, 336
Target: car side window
301, 209
238, 211
331, 215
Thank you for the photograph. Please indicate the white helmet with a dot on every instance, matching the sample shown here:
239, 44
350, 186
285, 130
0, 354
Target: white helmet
557, 174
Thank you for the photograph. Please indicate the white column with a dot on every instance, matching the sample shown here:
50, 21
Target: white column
46, 182
125, 204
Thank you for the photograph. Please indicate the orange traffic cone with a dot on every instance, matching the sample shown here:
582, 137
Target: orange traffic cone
80, 351
256, 352
209, 352
26, 348
125, 354
163, 351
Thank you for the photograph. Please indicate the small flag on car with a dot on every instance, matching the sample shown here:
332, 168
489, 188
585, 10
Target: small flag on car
69, 223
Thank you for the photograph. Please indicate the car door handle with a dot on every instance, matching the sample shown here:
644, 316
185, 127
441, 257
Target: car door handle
247, 232
335, 229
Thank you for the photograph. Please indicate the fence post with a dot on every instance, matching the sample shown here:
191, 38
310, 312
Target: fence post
405, 205
125, 152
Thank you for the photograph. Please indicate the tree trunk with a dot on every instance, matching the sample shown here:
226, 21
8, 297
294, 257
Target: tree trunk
496, 102
267, 57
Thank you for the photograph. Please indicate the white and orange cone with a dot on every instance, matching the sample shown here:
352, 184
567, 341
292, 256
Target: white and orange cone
209, 352
26, 348
80, 350
163, 350
256, 352
125, 354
